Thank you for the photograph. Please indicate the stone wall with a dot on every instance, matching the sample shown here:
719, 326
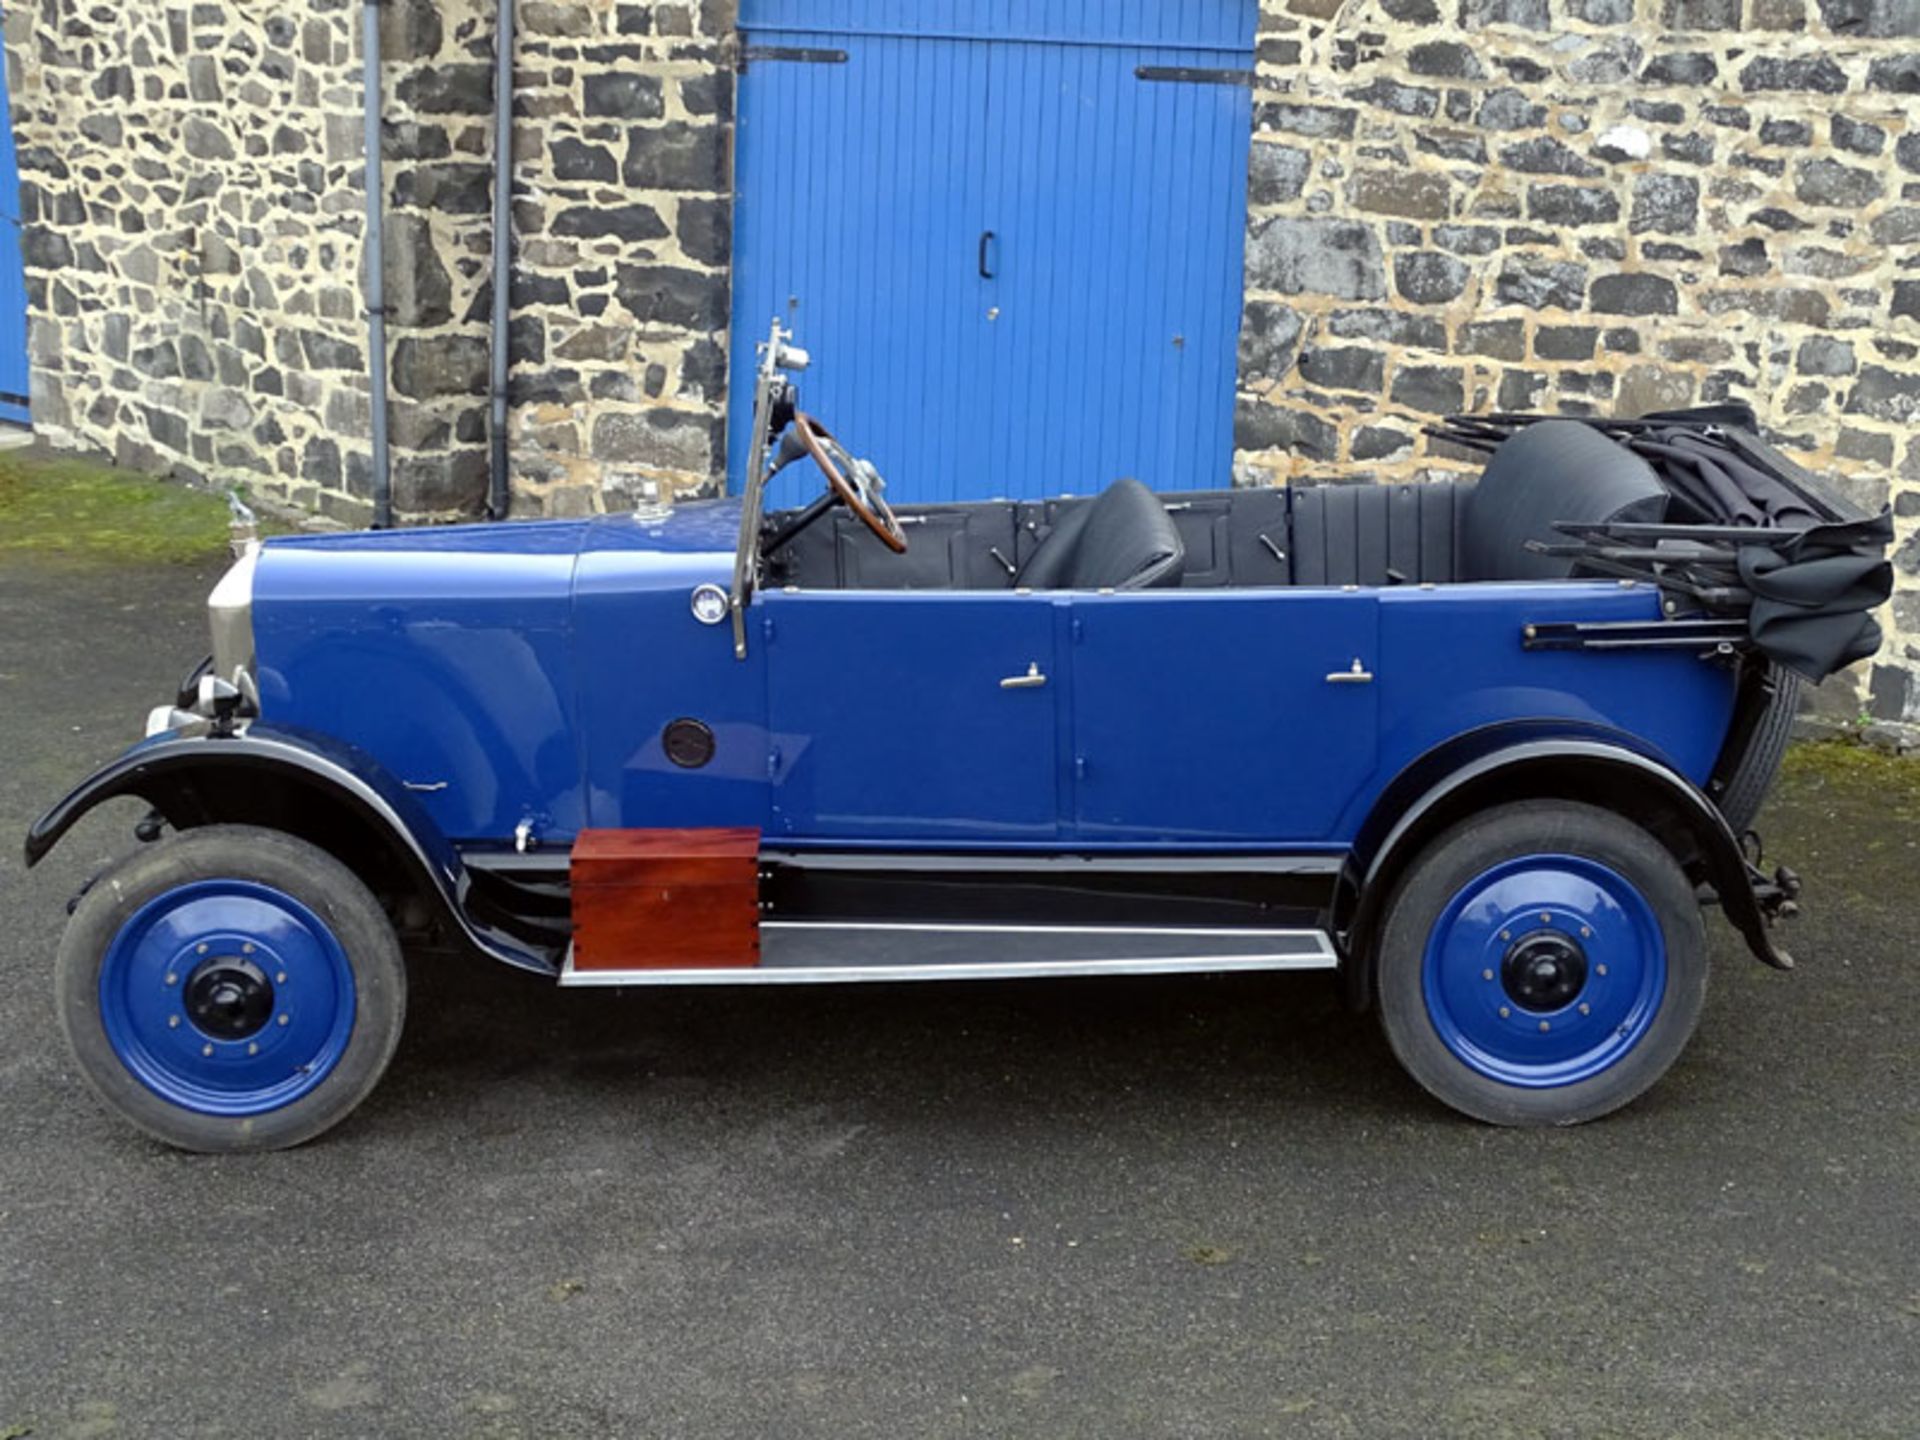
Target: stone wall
193, 196
190, 199
622, 225
1577, 205
1589, 206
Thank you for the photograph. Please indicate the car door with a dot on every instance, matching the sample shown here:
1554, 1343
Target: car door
914, 718
1202, 717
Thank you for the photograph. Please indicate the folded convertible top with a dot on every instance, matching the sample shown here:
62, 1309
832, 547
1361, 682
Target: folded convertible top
1749, 534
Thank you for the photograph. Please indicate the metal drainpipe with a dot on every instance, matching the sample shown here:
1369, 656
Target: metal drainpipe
376, 274
498, 497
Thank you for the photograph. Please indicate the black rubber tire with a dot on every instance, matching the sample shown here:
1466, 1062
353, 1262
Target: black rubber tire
1468, 850
308, 874
1747, 787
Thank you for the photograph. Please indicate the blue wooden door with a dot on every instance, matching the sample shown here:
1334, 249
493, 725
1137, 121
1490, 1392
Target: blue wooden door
13, 282
1010, 234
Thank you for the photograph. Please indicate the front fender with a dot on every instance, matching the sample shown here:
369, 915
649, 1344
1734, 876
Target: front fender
205, 779
1520, 762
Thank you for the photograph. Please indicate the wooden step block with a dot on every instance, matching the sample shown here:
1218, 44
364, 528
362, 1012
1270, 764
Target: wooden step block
666, 899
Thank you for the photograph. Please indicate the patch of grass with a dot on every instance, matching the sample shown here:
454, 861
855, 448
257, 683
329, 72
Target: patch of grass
67, 508
1854, 768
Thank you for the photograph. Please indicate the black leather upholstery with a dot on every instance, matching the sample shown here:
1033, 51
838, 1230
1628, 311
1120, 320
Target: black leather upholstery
1123, 540
1554, 471
1369, 534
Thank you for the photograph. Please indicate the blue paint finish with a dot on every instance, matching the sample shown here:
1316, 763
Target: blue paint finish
445, 654
1452, 660
646, 662
889, 720
1193, 712
1226, 25
1594, 908
146, 971
1116, 208
14, 371
532, 668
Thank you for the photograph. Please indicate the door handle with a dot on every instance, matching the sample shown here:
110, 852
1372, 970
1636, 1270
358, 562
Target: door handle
1358, 675
1032, 680
987, 237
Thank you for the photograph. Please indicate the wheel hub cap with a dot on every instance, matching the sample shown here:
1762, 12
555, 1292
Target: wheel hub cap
1544, 971
230, 998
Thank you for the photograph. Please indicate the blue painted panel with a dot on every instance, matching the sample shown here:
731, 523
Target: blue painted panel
1216, 24
1120, 209
1208, 717
443, 654
857, 220
644, 662
1451, 661
1098, 337
889, 719
13, 280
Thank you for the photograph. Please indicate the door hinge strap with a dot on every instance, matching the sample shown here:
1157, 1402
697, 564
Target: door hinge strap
790, 54
1188, 75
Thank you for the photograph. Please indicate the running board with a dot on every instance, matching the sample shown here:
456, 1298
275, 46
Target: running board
829, 952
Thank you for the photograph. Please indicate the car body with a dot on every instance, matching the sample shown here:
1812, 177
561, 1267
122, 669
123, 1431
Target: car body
743, 749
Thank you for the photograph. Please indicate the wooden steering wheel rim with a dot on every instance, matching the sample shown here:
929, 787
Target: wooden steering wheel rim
878, 517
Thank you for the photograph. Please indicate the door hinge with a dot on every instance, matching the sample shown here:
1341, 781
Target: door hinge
1079, 767
1188, 75
788, 55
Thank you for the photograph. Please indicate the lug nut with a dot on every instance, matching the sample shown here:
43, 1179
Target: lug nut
1586, 932
1585, 1009
173, 1022
284, 1019
1600, 969
253, 1047
1486, 975
200, 949
172, 979
1505, 1013
247, 949
1544, 1027
206, 1050
1506, 935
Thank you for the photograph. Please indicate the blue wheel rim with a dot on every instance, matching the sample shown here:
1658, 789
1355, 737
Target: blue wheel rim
1612, 971
159, 971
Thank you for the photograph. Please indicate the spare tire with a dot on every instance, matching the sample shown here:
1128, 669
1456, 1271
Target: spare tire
1550, 473
1747, 784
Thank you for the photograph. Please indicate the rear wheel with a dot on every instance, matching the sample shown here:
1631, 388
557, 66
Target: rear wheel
231, 988
1542, 964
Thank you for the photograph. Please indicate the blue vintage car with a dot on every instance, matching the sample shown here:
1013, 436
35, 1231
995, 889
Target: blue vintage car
1482, 749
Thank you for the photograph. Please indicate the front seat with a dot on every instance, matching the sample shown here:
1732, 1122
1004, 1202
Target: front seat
1123, 540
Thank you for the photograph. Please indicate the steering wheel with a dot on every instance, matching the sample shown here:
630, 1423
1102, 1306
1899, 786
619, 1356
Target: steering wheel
854, 484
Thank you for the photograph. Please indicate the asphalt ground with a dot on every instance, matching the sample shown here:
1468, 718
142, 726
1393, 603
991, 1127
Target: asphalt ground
1187, 1207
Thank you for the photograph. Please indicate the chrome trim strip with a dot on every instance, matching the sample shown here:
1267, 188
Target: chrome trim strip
1317, 954
1209, 932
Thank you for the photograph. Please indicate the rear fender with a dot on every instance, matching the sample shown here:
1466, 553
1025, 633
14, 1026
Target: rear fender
319, 789
1505, 763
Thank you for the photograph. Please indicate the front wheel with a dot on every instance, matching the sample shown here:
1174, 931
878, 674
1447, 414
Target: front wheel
1541, 964
231, 988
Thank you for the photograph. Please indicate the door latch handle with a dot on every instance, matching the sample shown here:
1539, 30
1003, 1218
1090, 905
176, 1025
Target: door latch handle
1032, 680
1358, 675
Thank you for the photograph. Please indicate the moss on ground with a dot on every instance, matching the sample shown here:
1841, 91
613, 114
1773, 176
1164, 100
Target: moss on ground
1855, 771
62, 507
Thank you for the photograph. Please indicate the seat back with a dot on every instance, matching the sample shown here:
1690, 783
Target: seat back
1122, 540
1368, 534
